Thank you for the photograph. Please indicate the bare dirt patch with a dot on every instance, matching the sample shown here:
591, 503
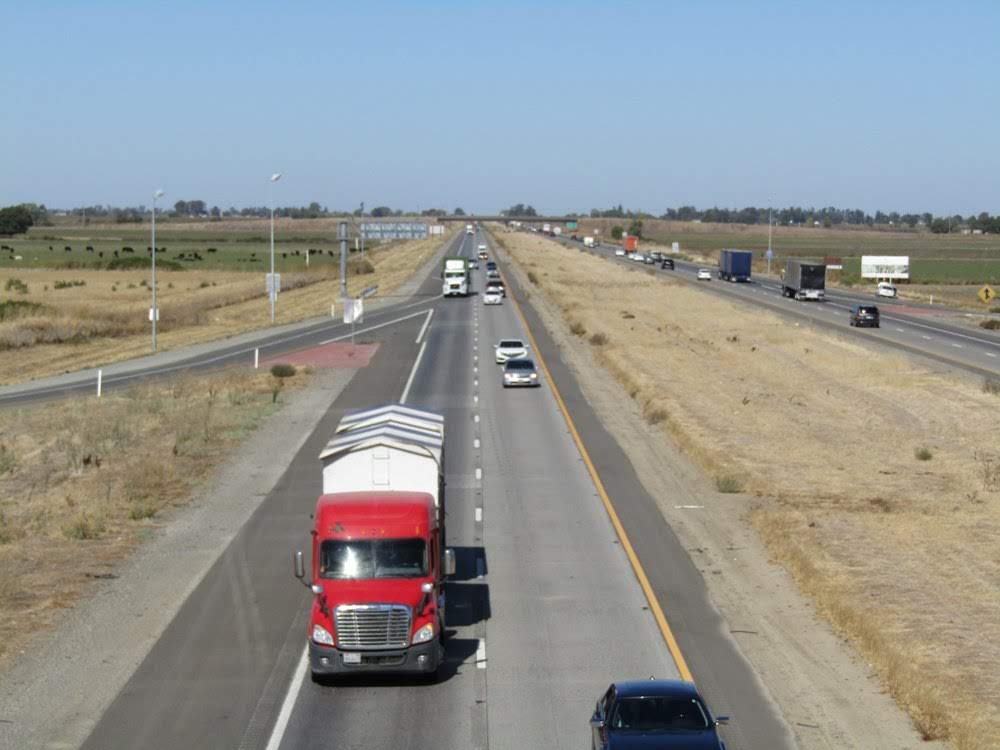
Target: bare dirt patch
82, 482
898, 553
104, 319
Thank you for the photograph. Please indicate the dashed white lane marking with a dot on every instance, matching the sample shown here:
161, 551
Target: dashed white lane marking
298, 677
475, 383
479, 515
475, 369
900, 330
475, 443
476, 417
927, 338
957, 346
990, 354
480, 655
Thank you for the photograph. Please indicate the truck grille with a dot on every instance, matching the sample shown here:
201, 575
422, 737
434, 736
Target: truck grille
364, 626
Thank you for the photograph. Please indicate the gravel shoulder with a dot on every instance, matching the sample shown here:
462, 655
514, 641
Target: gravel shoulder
829, 697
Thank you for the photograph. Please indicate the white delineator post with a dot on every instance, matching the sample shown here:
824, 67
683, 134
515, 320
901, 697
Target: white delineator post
99, 377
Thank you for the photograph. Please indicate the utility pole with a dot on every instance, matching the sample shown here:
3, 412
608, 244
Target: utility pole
770, 252
153, 312
362, 229
273, 288
342, 236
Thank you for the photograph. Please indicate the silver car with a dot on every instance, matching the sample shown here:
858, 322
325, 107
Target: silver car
510, 349
520, 373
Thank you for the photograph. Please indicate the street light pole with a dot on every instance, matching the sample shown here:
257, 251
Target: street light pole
153, 314
362, 229
770, 253
273, 288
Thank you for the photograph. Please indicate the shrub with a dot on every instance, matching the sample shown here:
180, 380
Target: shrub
132, 263
532, 278
577, 329
617, 232
7, 459
68, 284
728, 483
84, 526
599, 339
990, 385
16, 285
283, 370
990, 325
15, 308
205, 284
655, 416
923, 454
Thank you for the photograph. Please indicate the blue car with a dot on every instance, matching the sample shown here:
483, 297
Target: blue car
654, 714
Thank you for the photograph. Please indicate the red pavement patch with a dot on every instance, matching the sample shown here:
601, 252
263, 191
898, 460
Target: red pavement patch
337, 355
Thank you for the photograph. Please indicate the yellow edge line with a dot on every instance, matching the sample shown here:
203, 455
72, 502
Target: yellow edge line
640, 573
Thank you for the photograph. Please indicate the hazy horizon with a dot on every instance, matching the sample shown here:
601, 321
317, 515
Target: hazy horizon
565, 107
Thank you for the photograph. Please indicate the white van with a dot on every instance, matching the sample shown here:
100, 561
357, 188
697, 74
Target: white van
885, 289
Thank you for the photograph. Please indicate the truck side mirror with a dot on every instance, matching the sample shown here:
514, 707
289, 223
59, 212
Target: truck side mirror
300, 568
449, 562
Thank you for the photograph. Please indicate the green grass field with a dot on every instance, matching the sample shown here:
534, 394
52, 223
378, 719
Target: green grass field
230, 246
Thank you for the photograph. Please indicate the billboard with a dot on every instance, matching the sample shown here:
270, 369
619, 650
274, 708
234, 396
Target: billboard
885, 266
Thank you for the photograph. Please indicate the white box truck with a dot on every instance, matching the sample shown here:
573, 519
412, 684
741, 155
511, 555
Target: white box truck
588, 242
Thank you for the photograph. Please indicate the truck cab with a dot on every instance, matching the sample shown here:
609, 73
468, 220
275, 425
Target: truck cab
455, 277
378, 571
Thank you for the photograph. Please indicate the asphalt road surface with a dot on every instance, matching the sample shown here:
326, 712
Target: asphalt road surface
545, 610
913, 327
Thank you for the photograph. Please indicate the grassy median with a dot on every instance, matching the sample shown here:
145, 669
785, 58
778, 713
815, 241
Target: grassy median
875, 481
82, 481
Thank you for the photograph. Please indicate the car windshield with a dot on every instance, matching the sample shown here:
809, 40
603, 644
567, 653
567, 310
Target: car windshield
511, 344
382, 558
520, 364
659, 714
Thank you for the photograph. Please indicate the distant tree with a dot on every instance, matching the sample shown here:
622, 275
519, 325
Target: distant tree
617, 231
458, 212
940, 226
635, 228
381, 211
519, 209
434, 212
216, 212
181, 208
15, 220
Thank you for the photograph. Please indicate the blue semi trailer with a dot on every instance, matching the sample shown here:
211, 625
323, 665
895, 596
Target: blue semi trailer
734, 265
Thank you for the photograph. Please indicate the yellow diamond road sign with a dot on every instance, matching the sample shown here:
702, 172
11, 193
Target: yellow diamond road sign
987, 294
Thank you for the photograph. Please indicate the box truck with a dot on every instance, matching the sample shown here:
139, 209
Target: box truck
379, 559
631, 244
588, 242
734, 265
802, 280
456, 277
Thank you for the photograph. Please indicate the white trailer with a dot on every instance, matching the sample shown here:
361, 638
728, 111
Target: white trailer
387, 455
393, 415
588, 241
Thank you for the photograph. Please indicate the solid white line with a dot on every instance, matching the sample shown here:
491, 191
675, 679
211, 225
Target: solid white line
371, 328
479, 515
413, 372
278, 733
423, 328
480, 656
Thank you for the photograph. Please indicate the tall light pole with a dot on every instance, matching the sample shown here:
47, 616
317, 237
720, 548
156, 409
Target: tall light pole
362, 229
770, 252
154, 313
273, 289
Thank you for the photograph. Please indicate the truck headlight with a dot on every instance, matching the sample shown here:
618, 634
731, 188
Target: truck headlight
322, 635
426, 633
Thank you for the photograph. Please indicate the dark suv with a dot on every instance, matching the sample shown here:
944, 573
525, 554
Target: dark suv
667, 263
865, 315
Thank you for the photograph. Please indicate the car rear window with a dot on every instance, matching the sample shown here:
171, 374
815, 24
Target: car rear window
868, 311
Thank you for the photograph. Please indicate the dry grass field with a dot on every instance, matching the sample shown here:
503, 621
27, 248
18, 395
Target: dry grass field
52, 321
82, 481
876, 482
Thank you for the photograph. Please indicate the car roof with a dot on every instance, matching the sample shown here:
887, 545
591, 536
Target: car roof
656, 688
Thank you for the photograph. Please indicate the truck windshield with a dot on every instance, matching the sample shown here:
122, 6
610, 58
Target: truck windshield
382, 558
454, 274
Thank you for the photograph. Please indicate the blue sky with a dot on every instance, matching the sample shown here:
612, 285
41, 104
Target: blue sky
566, 106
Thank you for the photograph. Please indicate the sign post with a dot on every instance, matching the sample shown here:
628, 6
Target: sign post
770, 256
987, 294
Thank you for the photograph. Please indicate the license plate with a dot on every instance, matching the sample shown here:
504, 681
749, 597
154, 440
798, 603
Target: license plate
352, 658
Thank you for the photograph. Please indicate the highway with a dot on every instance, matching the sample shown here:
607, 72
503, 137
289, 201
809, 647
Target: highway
912, 327
545, 610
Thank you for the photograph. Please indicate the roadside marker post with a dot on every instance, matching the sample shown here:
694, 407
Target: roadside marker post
256, 358
99, 379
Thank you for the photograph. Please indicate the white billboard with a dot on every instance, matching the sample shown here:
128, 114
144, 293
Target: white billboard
885, 266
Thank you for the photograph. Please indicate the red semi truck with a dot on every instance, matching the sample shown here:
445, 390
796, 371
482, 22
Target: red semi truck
631, 244
378, 546
378, 571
